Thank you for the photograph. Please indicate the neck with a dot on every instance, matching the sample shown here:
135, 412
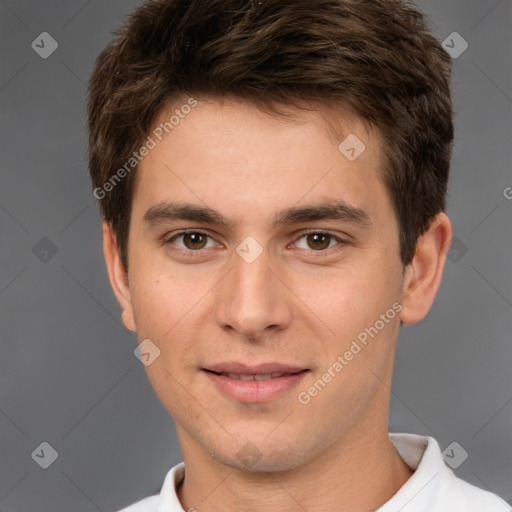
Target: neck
347, 476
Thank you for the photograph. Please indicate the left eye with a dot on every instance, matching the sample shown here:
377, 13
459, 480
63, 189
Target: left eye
318, 241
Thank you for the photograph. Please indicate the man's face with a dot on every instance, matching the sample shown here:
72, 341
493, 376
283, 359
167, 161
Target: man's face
293, 292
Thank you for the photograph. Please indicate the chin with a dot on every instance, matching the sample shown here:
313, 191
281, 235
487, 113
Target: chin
261, 456
265, 463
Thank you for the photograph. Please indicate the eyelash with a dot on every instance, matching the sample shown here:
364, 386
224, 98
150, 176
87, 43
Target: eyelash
197, 253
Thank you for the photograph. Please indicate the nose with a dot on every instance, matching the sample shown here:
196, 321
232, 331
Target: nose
252, 302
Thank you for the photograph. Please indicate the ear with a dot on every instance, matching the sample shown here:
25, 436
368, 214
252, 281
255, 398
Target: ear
424, 272
118, 277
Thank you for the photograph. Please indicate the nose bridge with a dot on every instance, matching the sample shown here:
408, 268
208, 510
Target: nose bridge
250, 300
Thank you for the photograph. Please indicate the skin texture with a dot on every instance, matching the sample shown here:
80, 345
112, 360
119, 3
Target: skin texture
294, 304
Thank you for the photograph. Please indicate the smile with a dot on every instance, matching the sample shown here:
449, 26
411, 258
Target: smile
255, 387
241, 376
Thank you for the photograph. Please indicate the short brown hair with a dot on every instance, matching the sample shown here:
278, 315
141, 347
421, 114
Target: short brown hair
375, 57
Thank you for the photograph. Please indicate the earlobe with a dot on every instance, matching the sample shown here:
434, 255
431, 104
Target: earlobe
424, 272
117, 276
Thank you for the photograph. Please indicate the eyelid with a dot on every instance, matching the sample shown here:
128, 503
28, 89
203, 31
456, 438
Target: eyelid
173, 234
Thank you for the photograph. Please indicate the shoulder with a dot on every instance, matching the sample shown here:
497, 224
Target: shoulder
434, 487
461, 495
167, 499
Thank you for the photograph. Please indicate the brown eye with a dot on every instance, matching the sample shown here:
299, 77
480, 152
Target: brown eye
318, 241
194, 240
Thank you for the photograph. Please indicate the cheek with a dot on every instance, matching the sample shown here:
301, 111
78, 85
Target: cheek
159, 296
167, 317
168, 312
347, 300
153, 306
356, 303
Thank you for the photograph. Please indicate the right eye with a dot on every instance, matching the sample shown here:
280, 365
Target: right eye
192, 240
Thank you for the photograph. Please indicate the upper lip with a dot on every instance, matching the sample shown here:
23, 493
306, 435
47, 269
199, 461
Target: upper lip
259, 369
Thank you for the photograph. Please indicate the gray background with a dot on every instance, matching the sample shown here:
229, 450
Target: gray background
68, 375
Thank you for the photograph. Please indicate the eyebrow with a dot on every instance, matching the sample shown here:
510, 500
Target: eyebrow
339, 210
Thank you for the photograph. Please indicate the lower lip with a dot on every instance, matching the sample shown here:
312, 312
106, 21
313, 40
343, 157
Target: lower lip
255, 390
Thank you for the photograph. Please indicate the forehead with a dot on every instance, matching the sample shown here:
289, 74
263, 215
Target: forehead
230, 152
335, 120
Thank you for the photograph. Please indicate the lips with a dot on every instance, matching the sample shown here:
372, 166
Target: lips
262, 376
258, 383
271, 369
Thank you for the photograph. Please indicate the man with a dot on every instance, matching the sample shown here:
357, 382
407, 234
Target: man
272, 178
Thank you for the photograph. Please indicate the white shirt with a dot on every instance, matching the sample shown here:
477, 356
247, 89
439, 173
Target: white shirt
432, 488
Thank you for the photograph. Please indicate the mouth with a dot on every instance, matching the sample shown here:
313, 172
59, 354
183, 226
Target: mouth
257, 384
258, 376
